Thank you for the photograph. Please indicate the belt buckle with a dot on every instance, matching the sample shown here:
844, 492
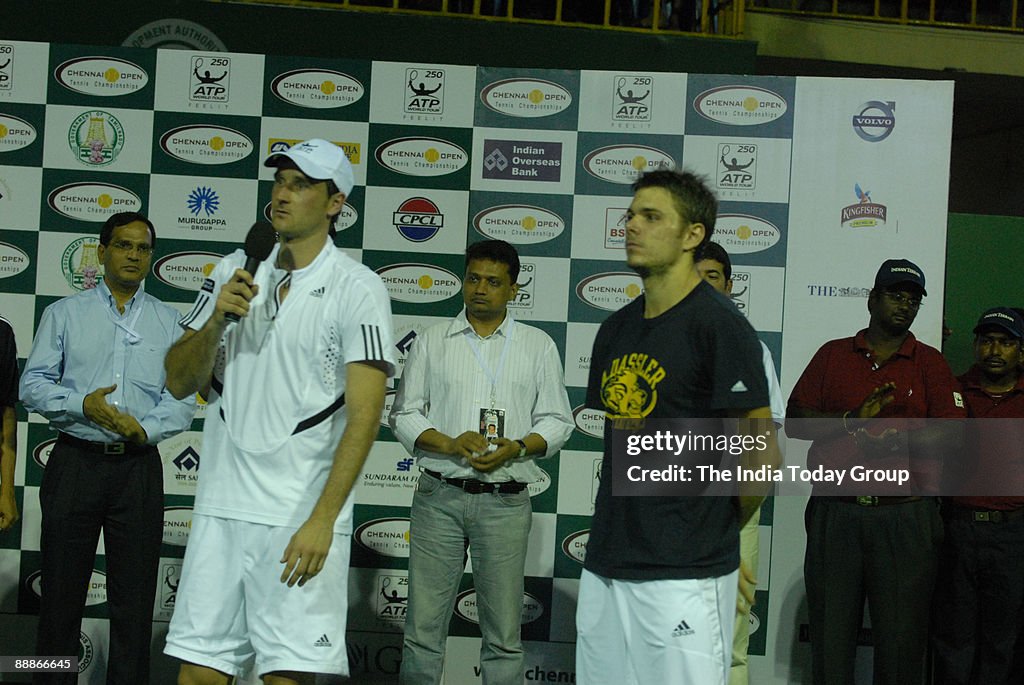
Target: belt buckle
867, 500
113, 448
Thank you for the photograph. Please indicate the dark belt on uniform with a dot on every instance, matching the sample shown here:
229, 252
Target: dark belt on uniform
109, 449
872, 501
982, 515
479, 487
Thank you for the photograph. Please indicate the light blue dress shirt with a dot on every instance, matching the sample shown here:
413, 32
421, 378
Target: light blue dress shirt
84, 343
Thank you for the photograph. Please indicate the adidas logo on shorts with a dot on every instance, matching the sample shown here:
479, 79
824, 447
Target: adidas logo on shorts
319, 292
683, 629
322, 642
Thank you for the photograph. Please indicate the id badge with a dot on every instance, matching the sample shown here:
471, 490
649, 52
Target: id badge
492, 423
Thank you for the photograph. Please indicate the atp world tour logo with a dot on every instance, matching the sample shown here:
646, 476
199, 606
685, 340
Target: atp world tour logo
6, 67
424, 91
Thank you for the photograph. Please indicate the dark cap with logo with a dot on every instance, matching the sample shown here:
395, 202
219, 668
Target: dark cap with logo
896, 271
1002, 317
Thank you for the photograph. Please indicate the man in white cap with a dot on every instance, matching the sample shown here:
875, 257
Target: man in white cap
295, 391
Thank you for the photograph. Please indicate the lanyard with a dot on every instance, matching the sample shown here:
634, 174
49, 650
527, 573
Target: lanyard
129, 327
474, 344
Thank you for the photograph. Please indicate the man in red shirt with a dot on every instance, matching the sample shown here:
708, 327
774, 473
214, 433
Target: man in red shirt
868, 395
980, 591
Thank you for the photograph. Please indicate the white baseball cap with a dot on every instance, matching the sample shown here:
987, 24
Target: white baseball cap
320, 160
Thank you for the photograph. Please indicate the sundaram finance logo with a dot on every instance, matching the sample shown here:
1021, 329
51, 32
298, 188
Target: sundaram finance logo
96, 138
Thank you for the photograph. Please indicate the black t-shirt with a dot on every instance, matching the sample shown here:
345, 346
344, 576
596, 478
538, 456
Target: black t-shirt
700, 359
8, 366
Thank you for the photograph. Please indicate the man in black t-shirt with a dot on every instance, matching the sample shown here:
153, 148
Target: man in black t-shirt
658, 591
8, 425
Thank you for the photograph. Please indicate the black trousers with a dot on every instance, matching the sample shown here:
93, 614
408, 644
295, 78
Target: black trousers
886, 554
83, 492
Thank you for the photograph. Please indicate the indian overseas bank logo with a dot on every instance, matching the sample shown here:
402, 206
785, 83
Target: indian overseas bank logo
517, 160
624, 163
526, 97
80, 263
416, 156
210, 79
466, 607
419, 283
519, 224
388, 537
424, 91
102, 76
96, 138
740, 105
13, 260
317, 88
94, 201
615, 219
15, 133
875, 121
866, 213
610, 291
6, 66
737, 166
392, 598
206, 144
632, 98
745, 233
418, 219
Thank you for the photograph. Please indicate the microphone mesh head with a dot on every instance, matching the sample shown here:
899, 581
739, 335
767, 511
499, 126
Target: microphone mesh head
260, 240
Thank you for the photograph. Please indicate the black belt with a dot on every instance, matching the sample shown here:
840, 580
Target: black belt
872, 501
109, 449
982, 515
479, 487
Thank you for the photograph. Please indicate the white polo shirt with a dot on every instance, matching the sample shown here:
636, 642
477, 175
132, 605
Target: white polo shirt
274, 420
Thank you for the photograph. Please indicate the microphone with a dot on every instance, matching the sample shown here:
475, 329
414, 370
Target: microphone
259, 243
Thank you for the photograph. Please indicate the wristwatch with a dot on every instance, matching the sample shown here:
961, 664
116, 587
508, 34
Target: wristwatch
522, 449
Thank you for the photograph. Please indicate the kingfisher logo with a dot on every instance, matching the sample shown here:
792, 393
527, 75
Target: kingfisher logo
466, 607
610, 291
526, 97
866, 213
352, 150
415, 156
102, 76
589, 421
424, 91
745, 233
317, 88
518, 160
177, 525
13, 260
574, 546
875, 121
419, 283
519, 224
92, 201
740, 105
210, 79
418, 219
632, 98
186, 270
388, 537
624, 163
203, 144
15, 133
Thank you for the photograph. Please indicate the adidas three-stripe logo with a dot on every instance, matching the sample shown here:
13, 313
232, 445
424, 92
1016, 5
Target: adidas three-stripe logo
373, 348
683, 629
322, 642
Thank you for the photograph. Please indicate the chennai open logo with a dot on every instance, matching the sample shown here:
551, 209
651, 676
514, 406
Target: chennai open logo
80, 263
96, 138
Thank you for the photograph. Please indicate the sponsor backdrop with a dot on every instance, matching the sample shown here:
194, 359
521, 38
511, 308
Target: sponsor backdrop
819, 180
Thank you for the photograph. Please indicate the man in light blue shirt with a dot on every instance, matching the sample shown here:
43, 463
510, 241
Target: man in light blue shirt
96, 372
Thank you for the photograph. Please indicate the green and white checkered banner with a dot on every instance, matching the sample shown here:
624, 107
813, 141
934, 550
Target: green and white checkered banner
819, 180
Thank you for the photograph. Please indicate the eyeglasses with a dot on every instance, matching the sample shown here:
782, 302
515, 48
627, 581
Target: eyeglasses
127, 246
901, 299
